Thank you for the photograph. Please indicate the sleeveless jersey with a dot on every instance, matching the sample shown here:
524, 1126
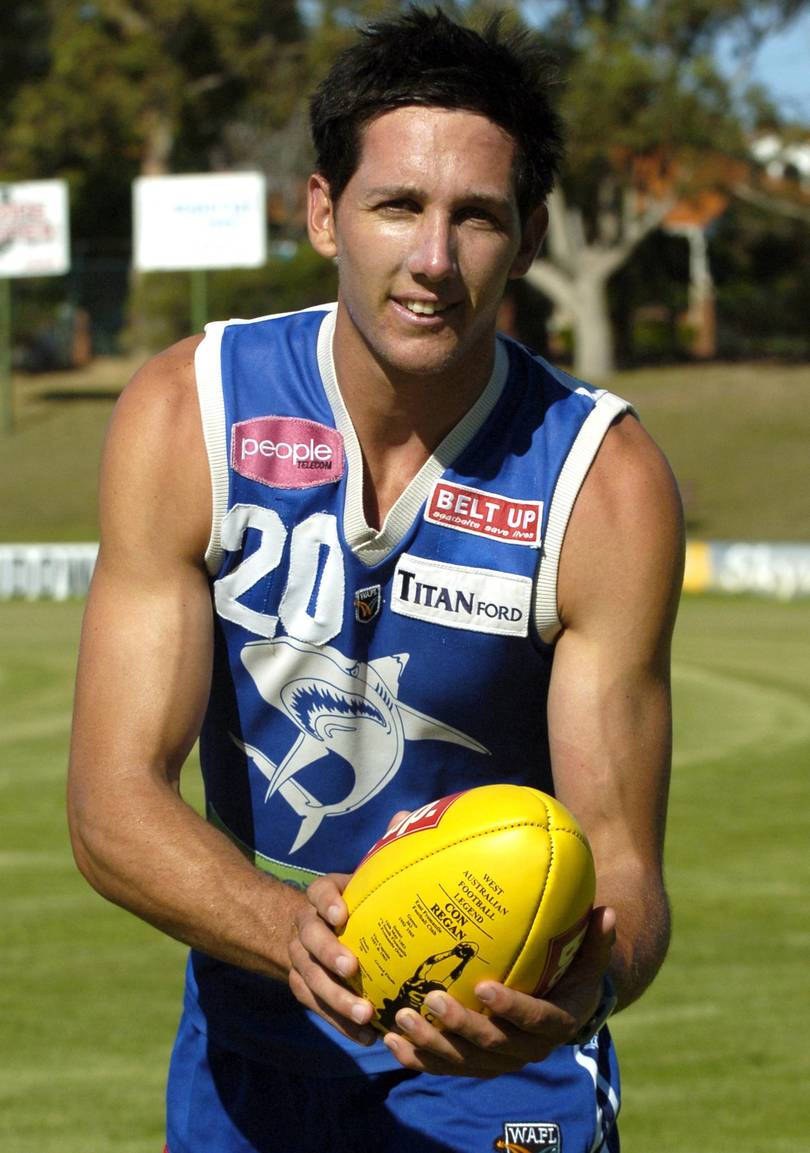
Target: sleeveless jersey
357, 671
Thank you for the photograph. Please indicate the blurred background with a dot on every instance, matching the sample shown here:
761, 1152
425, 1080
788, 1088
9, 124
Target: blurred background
676, 272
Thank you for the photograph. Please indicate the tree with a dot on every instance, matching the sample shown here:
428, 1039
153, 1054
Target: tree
104, 91
131, 88
648, 111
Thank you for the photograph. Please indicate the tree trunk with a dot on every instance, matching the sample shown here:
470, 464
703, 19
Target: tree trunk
575, 273
594, 353
583, 301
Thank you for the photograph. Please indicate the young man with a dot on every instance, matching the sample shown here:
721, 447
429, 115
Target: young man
376, 555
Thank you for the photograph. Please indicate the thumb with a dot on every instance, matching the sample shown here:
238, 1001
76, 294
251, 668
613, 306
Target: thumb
597, 946
397, 817
579, 989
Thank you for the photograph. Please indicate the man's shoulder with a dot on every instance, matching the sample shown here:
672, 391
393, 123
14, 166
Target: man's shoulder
629, 515
553, 382
630, 467
166, 379
154, 465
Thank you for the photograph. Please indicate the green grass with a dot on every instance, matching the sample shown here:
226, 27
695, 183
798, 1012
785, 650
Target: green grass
736, 435
87, 994
714, 1057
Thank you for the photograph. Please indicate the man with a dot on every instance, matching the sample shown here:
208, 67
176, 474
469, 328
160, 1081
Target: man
377, 555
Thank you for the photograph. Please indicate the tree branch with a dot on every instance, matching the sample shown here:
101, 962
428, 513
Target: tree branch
777, 205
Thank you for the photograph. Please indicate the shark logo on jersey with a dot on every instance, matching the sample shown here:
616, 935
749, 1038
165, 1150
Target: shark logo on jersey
339, 706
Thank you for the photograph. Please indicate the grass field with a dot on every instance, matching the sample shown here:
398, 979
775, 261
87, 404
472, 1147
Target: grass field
736, 435
715, 1057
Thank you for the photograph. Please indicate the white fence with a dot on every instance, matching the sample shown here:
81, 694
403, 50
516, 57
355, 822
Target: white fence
772, 570
62, 571
46, 571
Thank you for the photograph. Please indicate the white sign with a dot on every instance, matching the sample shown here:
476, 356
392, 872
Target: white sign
46, 571
34, 229
209, 221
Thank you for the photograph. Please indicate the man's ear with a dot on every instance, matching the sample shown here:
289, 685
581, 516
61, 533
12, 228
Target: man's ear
534, 229
321, 217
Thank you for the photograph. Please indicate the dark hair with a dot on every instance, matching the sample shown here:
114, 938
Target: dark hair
426, 58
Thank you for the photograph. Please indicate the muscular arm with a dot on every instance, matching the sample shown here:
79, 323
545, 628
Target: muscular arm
609, 701
142, 687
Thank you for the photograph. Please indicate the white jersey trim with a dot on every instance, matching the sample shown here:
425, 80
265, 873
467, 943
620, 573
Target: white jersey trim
569, 482
601, 1085
208, 372
368, 544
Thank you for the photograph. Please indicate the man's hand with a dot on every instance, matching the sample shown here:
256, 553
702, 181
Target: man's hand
316, 956
319, 963
517, 1029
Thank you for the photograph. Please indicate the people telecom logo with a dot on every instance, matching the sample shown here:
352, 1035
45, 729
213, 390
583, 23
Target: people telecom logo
287, 452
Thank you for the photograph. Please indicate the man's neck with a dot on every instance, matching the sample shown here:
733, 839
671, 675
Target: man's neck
400, 418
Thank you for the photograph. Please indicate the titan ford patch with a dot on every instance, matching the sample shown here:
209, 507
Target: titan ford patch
460, 597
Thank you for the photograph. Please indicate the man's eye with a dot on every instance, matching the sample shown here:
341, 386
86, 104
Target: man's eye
480, 216
400, 205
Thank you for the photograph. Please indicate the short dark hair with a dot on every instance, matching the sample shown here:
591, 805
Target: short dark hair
426, 58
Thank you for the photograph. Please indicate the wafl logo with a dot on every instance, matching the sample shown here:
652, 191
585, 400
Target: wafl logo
529, 1137
287, 452
338, 706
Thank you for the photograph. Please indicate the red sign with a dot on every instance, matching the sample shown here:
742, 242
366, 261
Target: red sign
426, 817
485, 513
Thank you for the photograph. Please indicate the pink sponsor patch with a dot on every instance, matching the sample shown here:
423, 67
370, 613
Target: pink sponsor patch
286, 452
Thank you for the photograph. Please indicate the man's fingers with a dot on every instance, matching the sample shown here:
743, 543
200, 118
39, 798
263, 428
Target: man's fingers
315, 988
325, 894
318, 941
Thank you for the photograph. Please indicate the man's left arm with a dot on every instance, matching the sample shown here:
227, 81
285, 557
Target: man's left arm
610, 716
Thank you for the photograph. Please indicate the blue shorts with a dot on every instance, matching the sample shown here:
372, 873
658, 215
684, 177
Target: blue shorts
219, 1101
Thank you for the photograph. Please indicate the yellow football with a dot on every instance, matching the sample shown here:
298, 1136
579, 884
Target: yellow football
495, 882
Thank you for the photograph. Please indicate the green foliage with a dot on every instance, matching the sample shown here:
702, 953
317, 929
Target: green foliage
160, 302
636, 84
763, 283
99, 92
23, 50
133, 88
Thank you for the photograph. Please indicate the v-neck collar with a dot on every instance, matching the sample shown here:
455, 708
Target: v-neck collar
372, 545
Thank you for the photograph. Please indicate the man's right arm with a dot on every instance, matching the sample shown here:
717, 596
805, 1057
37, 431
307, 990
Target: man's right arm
142, 687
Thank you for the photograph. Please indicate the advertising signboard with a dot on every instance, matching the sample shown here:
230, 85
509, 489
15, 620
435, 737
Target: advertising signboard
199, 222
34, 229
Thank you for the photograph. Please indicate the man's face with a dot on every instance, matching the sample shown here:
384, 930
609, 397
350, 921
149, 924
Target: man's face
427, 232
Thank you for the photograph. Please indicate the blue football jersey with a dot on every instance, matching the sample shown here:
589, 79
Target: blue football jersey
359, 670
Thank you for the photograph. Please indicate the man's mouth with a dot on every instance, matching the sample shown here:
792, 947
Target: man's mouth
423, 307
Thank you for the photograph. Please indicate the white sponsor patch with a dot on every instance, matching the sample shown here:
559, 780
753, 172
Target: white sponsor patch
478, 599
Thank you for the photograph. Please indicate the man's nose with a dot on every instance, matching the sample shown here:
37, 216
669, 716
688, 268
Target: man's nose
434, 253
